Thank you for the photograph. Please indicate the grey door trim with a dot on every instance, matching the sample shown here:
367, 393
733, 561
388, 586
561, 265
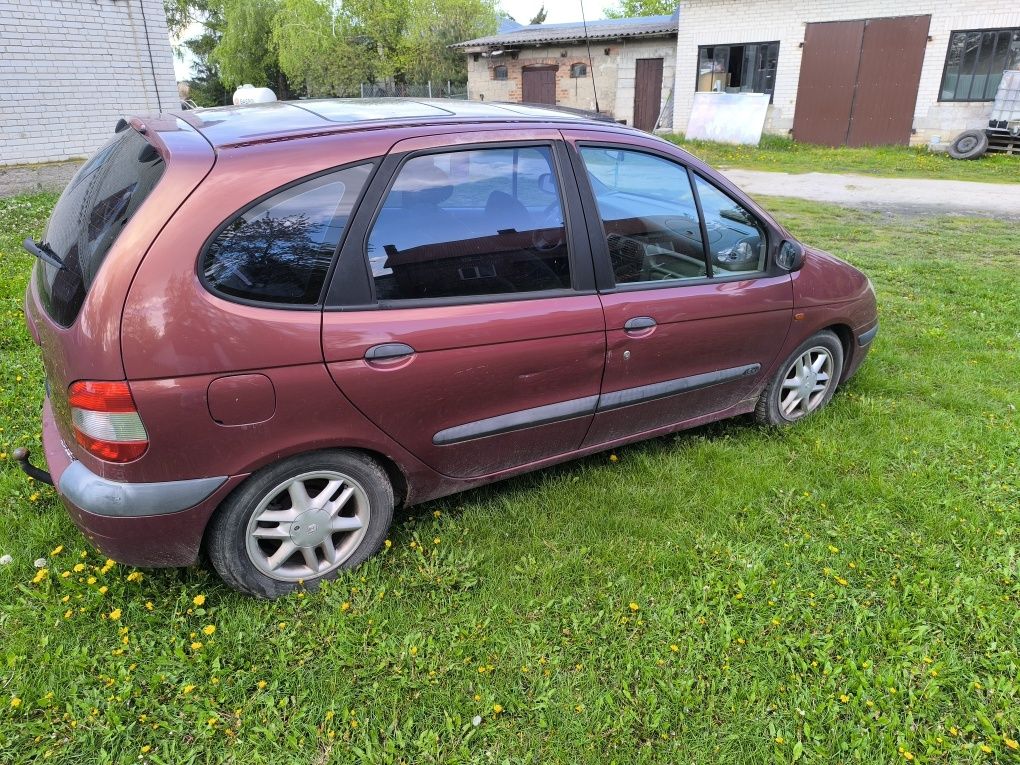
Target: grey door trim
580, 407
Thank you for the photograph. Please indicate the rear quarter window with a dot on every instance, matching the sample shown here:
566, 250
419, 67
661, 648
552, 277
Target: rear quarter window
279, 249
89, 216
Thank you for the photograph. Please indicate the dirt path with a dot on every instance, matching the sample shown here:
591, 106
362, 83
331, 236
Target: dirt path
911, 196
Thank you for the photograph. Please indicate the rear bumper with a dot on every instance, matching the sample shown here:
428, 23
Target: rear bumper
140, 524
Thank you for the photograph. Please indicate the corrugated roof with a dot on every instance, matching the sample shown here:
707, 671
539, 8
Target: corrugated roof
600, 29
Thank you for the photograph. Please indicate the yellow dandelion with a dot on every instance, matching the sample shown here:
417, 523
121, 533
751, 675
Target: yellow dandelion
780, 740
436, 514
115, 614
1012, 743
986, 749
209, 629
134, 576
188, 689
198, 600
65, 574
104, 589
282, 625
15, 702
90, 580
345, 606
436, 541
57, 550
674, 648
212, 721
330, 715
739, 596
952, 730
79, 567
40, 575
146, 749
842, 581
497, 708
196, 646
833, 549
414, 650
908, 756
69, 613
613, 458
149, 606
261, 684
634, 607
844, 698
388, 544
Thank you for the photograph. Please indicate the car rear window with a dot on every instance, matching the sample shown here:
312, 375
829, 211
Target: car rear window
94, 208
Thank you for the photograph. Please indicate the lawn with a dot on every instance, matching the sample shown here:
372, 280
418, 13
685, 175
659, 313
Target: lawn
780, 154
843, 591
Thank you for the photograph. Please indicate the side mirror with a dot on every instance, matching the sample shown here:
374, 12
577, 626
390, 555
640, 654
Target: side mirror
790, 257
546, 184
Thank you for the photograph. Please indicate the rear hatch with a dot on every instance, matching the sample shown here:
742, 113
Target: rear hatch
99, 230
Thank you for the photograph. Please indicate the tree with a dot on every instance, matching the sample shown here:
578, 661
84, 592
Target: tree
632, 8
434, 26
246, 52
539, 17
206, 87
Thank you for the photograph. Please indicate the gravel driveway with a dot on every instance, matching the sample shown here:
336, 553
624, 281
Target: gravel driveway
911, 196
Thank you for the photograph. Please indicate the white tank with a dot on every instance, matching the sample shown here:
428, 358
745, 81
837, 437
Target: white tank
249, 94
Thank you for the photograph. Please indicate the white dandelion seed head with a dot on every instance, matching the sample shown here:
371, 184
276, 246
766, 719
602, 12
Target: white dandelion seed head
5, 559
39, 562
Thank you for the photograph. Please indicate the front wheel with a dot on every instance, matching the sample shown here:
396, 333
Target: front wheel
804, 383
299, 521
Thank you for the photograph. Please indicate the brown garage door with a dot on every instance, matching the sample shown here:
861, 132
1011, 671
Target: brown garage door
858, 81
538, 85
647, 93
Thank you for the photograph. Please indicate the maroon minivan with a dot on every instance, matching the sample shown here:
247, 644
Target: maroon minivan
264, 327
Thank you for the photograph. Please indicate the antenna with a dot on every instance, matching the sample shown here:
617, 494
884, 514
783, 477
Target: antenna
591, 66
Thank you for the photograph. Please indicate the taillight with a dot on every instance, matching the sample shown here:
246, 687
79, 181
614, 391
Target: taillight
106, 421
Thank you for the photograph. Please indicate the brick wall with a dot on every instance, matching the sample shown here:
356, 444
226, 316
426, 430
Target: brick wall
719, 22
614, 73
69, 69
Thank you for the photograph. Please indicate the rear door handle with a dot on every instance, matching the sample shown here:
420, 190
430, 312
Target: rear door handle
388, 351
639, 324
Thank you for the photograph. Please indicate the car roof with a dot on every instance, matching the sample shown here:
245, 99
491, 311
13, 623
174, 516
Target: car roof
257, 123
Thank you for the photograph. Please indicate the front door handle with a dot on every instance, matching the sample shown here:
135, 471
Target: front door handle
639, 324
388, 351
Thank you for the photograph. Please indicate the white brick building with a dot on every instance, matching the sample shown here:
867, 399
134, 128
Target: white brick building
69, 69
792, 49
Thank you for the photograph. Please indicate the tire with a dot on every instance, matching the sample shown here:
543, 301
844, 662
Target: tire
285, 506
970, 144
782, 403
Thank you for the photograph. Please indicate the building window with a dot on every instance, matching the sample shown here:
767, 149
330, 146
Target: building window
579, 70
499, 72
744, 68
975, 62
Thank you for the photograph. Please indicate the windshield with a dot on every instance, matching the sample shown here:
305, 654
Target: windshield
88, 217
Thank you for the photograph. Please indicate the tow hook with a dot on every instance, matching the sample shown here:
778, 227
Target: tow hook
21, 455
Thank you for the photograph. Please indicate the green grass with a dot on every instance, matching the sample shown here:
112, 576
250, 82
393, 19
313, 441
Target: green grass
780, 154
843, 591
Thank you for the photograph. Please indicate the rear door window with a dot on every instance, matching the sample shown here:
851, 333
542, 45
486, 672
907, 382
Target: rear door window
280, 249
87, 219
471, 223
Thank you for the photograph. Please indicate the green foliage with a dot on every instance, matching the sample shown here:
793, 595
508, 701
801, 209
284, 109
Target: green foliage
245, 52
331, 49
539, 17
844, 591
785, 155
632, 8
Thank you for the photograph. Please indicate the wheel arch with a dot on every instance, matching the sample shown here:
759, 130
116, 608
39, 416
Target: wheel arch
846, 339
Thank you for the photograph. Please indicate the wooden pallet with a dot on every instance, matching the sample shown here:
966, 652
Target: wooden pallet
1003, 142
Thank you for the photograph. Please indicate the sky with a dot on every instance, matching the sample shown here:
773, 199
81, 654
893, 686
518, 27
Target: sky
523, 10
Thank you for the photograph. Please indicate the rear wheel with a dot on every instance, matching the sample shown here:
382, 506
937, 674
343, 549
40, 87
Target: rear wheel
804, 383
300, 521
970, 144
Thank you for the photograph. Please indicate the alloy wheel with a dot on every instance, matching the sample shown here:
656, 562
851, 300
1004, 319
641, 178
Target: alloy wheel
806, 383
307, 526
